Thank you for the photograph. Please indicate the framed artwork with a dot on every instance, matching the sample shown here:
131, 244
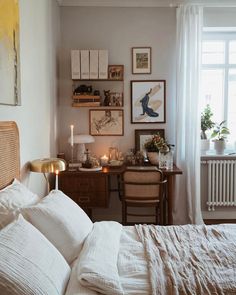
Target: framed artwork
9, 53
143, 135
106, 122
141, 60
148, 101
116, 72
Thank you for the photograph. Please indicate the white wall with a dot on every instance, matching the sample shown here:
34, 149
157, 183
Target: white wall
220, 17
36, 117
118, 30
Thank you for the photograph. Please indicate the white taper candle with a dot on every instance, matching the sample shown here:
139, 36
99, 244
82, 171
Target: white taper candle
71, 135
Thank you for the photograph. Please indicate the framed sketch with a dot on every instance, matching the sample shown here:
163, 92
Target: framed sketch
116, 72
141, 60
106, 122
143, 135
148, 101
9, 53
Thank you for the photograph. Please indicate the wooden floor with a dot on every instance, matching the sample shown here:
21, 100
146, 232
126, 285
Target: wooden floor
218, 221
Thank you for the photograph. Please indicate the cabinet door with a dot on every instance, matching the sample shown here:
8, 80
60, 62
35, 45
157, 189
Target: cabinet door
87, 190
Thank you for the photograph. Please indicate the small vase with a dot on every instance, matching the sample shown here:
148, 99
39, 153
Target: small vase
166, 160
153, 157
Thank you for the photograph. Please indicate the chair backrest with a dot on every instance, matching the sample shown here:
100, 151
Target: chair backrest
142, 185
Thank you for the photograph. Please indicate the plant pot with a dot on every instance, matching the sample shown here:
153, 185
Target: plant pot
219, 146
205, 145
153, 157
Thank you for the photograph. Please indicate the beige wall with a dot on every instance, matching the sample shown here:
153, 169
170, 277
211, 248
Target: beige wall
36, 117
118, 30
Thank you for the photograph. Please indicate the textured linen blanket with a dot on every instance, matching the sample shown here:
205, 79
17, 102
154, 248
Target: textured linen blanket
191, 259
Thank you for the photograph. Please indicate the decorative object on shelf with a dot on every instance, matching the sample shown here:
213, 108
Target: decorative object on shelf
83, 90
9, 53
206, 124
75, 64
148, 101
48, 165
141, 60
103, 64
220, 133
106, 122
155, 144
80, 140
116, 72
84, 64
104, 160
107, 98
93, 64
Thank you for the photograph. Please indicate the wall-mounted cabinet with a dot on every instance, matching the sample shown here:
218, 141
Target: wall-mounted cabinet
98, 93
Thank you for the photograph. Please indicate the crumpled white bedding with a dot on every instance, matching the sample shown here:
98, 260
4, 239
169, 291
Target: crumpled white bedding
131, 267
130, 274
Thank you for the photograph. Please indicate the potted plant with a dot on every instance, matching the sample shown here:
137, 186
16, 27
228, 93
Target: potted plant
206, 124
154, 145
220, 133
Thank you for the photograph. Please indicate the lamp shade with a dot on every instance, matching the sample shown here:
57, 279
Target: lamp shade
82, 138
48, 165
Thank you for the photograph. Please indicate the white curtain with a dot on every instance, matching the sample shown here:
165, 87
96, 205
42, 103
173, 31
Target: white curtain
189, 30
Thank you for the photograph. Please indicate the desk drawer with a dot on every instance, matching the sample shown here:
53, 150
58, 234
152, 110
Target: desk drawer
89, 191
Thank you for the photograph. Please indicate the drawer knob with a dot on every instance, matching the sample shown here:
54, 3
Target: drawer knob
84, 199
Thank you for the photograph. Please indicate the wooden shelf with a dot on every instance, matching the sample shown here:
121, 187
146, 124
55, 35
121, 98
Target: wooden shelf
86, 96
102, 80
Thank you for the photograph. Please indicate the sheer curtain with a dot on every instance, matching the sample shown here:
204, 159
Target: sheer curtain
187, 207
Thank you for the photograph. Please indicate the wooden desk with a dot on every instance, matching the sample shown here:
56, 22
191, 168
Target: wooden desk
92, 189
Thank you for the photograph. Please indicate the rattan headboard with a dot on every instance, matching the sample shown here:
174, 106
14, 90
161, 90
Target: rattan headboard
9, 153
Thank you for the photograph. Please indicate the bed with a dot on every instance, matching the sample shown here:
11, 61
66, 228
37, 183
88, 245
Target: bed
49, 246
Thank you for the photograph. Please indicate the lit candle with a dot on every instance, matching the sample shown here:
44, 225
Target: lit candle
104, 160
71, 135
56, 183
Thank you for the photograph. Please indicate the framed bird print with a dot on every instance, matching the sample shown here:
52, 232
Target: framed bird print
148, 101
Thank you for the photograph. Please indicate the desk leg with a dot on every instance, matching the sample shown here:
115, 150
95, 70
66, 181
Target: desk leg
170, 196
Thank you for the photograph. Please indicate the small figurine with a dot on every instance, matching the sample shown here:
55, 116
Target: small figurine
87, 163
107, 99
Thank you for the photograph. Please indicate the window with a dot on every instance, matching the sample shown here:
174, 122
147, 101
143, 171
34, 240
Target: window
219, 77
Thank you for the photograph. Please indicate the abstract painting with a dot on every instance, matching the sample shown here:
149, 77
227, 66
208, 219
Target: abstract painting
9, 52
148, 101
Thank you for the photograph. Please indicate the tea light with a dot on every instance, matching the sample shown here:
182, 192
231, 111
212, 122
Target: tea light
104, 160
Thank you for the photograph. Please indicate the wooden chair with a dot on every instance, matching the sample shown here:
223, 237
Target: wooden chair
143, 188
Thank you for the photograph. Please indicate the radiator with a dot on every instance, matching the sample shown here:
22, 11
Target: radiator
221, 183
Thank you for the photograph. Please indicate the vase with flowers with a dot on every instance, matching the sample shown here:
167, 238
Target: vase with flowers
154, 146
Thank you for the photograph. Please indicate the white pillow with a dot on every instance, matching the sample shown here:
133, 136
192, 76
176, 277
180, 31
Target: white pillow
12, 197
30, 264
62, 221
